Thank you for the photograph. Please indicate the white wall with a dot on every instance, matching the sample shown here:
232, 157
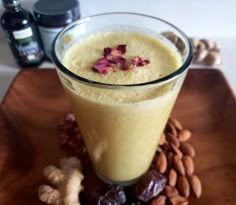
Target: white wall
195, 17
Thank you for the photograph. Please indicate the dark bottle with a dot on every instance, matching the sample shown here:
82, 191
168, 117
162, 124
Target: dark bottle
22, 34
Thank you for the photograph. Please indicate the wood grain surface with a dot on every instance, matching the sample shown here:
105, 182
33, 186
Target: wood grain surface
35, 103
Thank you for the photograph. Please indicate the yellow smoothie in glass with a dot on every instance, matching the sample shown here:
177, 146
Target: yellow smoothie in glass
121, 127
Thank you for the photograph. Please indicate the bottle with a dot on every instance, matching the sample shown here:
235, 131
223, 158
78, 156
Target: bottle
52, 16
22, 35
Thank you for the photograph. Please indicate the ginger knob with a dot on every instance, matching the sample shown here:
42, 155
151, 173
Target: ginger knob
49, 195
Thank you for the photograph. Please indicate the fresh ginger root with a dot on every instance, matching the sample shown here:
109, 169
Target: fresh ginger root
66, 180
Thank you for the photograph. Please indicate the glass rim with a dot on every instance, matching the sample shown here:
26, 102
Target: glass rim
161, 80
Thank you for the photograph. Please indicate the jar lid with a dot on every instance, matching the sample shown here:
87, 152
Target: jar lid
10, 2
56, 13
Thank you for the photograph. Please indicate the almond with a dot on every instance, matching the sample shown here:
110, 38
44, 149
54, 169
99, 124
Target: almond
171, 128
184, 135
166, 147
178, 164
159, 149
188, 165
172, 139
187, 149
172, 178
171, 191
161, 162
178, 200
208, 43
183, 186
162, 139
170, 36
196, 185
160, 200
170, 160
176, 150
176, 123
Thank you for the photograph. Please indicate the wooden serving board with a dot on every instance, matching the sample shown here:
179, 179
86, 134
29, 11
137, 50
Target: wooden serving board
35, 103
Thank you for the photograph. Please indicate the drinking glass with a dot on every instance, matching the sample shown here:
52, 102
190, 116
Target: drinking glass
121, 135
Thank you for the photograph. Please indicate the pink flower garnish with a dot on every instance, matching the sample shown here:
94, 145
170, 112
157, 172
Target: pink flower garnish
107, 51
115, 56
115, 51
138, 61
103, 66
117, 59
121, 48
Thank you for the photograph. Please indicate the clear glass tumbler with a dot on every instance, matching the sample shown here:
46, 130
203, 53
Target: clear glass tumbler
121, 136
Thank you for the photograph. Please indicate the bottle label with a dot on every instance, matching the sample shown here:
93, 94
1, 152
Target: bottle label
22, 34
48, 35
27, 47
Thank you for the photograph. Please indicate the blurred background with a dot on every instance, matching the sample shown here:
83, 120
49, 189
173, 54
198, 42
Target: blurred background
214, 19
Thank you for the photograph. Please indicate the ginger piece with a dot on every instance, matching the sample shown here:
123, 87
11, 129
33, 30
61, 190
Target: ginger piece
49, 195
53, 174
66, 180
72, 189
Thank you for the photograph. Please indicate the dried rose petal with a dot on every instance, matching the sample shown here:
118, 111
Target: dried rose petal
138, 61
114, 51
121, 48
103, 66
115, 55
107, 51
117, 60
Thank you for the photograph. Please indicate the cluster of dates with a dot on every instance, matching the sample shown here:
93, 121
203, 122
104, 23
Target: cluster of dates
146, 189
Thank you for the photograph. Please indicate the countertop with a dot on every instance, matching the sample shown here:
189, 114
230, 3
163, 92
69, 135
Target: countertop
210, 19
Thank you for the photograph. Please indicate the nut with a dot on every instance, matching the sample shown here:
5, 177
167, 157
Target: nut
184, 135
171, 129
180, 45
171, 191
160, 200
176, 150
178, 164
170, 159
178, 200
201, 46
172, 178
188, 165
216, 47
162, 139
213, 58
171, 36
159, 149
196, 185
187, 149
176, 124
208, 43
200, 55
183, 186
206, 52
161, 162
166, 147
194, 42
172, 139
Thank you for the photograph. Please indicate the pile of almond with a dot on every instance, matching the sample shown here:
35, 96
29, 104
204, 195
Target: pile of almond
174, 158
206, 52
